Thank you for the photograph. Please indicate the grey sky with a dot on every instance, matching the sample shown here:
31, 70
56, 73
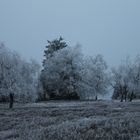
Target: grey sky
108, 27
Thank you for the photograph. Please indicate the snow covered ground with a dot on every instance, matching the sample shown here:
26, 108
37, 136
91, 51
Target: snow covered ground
73, 120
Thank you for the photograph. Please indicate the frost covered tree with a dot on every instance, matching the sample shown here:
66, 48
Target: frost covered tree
17, 76
60, 74
29, 80
94, 78
134, 84
120, 82
51, 48
8, 75
126, 80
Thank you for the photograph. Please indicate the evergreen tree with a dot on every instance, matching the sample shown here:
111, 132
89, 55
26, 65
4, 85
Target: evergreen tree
60, 70
54, 46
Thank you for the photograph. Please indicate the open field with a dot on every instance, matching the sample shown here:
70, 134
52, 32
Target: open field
102, 120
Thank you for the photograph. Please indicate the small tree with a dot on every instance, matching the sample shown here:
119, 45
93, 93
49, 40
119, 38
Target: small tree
121, 81
94, 78
126, 80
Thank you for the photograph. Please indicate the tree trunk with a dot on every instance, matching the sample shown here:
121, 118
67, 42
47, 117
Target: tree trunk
125, 92
11, 96
96, 98
131, 97
122, 98
125, 96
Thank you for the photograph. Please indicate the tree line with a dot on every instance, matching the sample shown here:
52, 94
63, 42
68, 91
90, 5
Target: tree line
66, 74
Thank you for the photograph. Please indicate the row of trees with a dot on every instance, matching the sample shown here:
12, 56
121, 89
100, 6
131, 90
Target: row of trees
66, 74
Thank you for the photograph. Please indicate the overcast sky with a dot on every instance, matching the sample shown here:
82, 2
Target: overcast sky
108, 27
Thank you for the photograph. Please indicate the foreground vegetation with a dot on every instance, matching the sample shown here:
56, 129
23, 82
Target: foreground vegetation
101, 120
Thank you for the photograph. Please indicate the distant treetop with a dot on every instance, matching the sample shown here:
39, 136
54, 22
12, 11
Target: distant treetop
55, 45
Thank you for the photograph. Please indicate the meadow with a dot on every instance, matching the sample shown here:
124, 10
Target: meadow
71, 120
